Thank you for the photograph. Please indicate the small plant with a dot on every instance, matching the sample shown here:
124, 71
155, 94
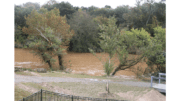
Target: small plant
108, 67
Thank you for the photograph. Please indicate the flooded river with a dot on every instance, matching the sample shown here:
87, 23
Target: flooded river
83, 63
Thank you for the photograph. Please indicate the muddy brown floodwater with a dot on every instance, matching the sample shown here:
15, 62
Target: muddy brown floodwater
85, 63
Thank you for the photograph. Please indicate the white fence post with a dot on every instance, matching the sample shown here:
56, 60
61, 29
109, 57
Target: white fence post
151, 80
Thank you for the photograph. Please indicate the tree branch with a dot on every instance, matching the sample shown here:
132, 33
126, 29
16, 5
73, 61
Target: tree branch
133, 63
44, 37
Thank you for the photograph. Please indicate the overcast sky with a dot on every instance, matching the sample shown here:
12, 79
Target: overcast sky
86, 3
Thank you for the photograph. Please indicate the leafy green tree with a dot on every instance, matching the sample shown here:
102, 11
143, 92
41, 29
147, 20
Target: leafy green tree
100, 20
116, 41
105, 12
33, 5
20, 12
107, 44
43, 48
119, 11
85, 32
107, 6
64, 7
142, 16
51, 27
91, 9
134, 41
19, 37
160, 13
157, 53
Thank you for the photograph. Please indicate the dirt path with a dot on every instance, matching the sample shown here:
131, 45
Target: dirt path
21, 78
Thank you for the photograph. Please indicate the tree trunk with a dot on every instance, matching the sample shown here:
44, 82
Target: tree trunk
117, 69
60, 62
49, 63
125, 66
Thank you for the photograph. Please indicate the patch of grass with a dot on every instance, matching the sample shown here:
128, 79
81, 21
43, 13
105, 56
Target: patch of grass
19, 93
92, 89
61, 74
86, 89
35, 85
24, 73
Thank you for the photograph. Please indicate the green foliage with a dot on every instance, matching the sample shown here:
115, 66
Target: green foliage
32, 5
105, 12
143, 15
160, 37
65, 8
113, 40
100, 20
108, 33
85, 32
20, 12
47, 32
137, 38
43, 48
119, 11
157, 53
108, 68
160, 13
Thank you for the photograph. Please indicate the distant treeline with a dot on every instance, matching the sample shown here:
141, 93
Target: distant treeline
85, 20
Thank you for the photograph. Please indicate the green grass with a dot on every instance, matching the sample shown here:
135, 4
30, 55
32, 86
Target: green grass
20, 94
24, 73
85, 89
61, 74
92, 89
34, 85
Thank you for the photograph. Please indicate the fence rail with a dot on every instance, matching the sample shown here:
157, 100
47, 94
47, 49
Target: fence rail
160, 86
44, 95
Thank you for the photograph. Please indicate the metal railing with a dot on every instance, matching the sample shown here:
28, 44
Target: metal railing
44, 95
160, 78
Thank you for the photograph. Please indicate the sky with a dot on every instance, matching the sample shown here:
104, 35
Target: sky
86, 3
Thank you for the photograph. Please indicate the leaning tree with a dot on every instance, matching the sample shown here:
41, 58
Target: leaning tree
48, 31
122, 42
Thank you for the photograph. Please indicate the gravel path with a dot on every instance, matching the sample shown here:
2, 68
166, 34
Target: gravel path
36, 79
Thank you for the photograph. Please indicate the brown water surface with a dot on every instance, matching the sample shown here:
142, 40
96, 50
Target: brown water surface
85, 63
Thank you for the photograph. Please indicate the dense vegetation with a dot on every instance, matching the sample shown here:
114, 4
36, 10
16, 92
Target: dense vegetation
123, 30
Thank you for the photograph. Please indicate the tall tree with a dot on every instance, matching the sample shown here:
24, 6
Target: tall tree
33, 5
142, 16
157, 54
85, 32
119, 11
20, 12
134, 41
64, 7
107, 43
114, 40
39, 22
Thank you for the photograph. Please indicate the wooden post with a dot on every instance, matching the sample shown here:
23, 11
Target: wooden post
41, 94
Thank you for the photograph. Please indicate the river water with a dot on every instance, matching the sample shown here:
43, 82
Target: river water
82, 63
